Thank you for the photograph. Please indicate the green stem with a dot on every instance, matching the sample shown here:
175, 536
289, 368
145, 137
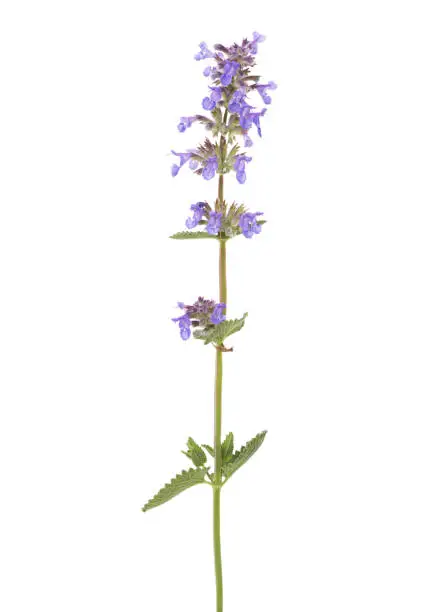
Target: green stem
217, 483
217, 548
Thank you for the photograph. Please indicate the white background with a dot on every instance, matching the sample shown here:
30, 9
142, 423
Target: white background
338, 360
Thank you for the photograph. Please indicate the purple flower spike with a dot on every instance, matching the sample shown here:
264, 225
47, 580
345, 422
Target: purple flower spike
184, 326
214, 223
210, 168
230, 107
248, 224
204, 53
198, 211
240, 165
218, 315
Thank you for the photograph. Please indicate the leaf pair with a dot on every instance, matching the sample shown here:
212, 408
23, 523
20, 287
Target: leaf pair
232, 461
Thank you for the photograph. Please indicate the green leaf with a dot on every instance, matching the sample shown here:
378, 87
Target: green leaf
192, 236
227, 448
177, 485
225, 329
201, 334
242, 456
195, 453
209, 449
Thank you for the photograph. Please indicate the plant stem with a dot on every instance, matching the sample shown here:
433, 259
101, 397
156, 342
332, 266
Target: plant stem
217, 484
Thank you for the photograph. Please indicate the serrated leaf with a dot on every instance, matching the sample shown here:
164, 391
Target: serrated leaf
177, 485
227, 448
192, 236
242, 456
225, 329
209, 449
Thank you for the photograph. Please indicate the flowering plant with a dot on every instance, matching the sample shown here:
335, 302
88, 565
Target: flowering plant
231, 120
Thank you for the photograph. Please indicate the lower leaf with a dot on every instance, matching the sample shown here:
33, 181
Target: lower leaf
177, 485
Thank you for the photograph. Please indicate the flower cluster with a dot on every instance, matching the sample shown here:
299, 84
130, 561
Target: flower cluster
202, 315
230, 221
232, 113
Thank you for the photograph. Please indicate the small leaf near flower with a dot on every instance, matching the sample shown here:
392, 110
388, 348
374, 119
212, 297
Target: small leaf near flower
225, 329
192, 236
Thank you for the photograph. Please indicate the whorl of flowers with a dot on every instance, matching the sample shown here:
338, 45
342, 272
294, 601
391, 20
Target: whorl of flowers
225, 221
202, 315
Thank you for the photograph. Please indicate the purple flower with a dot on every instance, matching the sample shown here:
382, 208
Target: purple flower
248, 224
256, 38
183, 159
256, 120
239, 167
247, 140
247, 118
193, 164
210, 168
204, 53
185, 122
209, 103
237, 101
206, 71
214, 223
184, 325
218, 315
230, 69
262, 91
198, 211
216, 93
